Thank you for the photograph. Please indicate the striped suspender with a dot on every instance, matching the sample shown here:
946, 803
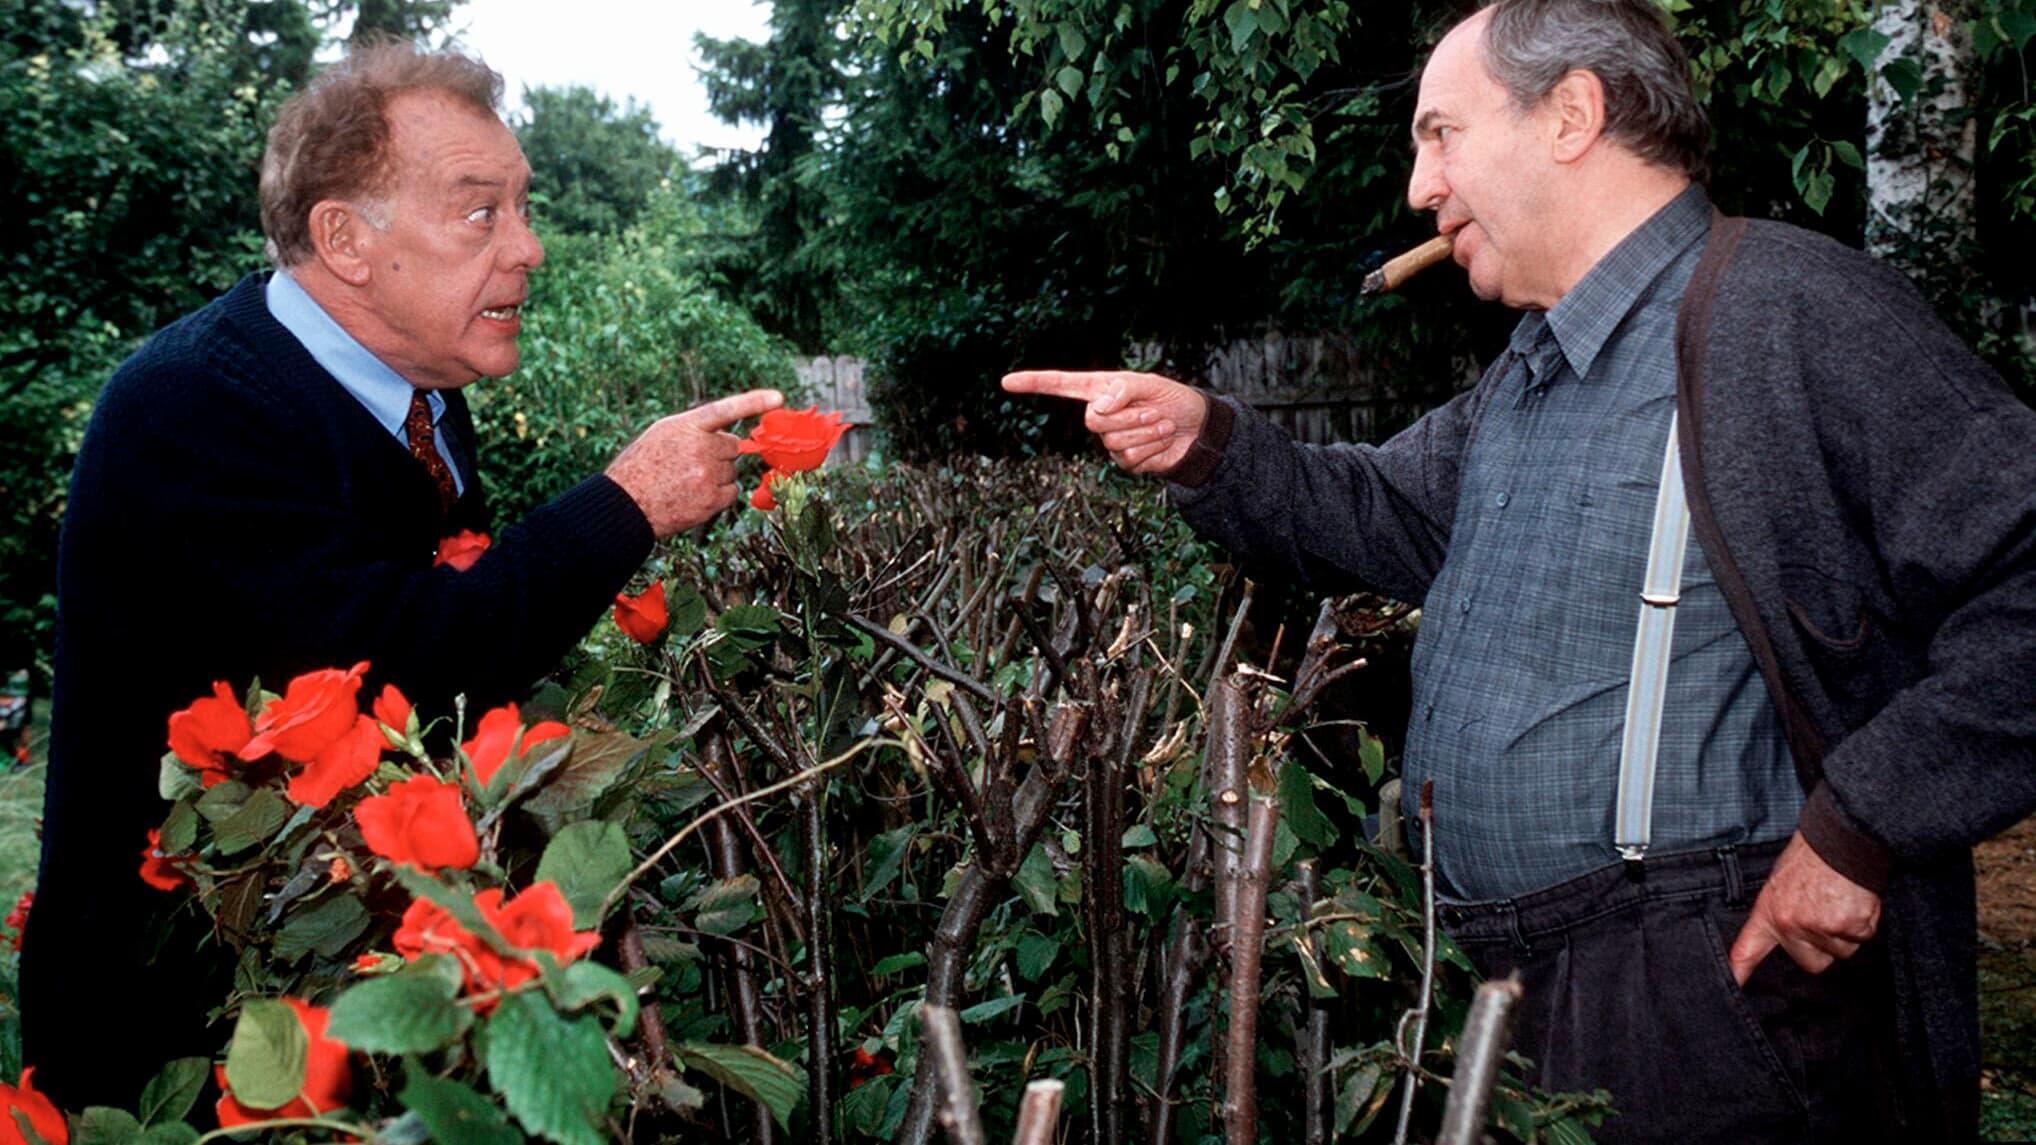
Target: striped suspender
1634, 814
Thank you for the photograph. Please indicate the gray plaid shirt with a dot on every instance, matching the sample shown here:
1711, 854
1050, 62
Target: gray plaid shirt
1520, 669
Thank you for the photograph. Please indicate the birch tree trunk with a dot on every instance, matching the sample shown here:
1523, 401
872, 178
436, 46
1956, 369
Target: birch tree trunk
1921, 145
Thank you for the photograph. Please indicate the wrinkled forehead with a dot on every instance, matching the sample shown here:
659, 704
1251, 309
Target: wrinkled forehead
1456, 70
438, 142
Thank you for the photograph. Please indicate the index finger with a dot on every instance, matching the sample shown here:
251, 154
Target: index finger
724, 412
1081, 385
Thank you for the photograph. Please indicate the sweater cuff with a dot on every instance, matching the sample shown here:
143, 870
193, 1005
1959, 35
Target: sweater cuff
1195, 469
1842, 843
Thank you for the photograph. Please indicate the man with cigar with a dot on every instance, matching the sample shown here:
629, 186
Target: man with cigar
262, 491
1656, 761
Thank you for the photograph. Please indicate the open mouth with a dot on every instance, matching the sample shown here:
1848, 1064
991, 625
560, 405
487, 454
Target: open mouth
503, 313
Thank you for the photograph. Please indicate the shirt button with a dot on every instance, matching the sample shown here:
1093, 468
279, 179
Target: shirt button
1502, 499
1463, 605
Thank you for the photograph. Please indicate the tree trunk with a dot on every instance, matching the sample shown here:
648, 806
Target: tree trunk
1920, 147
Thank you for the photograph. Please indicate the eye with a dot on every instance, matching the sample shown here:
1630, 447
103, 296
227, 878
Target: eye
481, 215
1443, 132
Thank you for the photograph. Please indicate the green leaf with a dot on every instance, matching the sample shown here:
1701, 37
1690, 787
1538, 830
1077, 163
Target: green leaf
104, 1125
887, 857
584, 983
222, 801
1035, 881
1350, 1100
170, 1133
170, 1094
265, 1061
411, 1011
1050, 104
586, 860
2019, 25
1242, 22
553, 1073
1139, 835
1864, 45
175, 780
1072, 42
687, 608
454, 1112
1817, 188
749, 626
1905, 76
325, 928
898, 962
1371, 755
1349, 945
252, 823
726, 905
180, 829
1148, 886
995, 1007
1036, 953
1070, 81
1847, 154
1297, 807
750, 1071
597, 759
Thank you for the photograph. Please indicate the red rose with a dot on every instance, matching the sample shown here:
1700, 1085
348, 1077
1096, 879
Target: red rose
327, 1080
345, 762
161, 871
420, 822
538, 919
42, 1114
208, 731
17, 919
316, 709
461, 550
793, 441
393, 708
763, 499
642, 616
495, 736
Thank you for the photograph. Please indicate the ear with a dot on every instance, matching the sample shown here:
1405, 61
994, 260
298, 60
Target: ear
1577, 104
340, 239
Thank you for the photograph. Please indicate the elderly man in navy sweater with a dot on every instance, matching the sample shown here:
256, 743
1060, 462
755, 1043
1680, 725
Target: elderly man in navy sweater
1715, 800
290, 458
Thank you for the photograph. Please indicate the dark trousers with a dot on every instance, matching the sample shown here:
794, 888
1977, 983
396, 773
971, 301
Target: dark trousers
1628, 990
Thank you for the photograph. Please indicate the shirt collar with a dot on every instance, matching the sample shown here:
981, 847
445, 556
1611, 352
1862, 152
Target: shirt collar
384, 392
1586, 317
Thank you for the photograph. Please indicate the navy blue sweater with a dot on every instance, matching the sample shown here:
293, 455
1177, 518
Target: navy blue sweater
235, 513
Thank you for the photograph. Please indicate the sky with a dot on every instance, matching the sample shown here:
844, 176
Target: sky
620, 48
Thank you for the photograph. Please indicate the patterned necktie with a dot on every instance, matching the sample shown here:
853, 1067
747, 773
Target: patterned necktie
424, 447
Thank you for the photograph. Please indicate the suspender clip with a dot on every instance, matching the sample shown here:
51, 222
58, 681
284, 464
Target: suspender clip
1661, 599
1633, 854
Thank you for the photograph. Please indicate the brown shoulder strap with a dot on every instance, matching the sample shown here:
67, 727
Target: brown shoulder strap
1692, 344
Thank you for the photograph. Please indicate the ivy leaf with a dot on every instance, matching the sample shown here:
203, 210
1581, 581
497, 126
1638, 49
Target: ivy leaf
750, 1071
411, 1011
586, 860
265, 1061
454, 1112
553, 1073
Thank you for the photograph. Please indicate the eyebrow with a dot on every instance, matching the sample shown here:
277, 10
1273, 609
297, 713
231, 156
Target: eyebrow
1425, 123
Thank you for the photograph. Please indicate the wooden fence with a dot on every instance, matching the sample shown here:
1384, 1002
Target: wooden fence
1319, 387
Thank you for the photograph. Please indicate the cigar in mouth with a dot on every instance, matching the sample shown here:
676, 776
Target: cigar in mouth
1400, 268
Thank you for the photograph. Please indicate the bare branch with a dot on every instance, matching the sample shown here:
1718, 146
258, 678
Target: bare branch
957, 1093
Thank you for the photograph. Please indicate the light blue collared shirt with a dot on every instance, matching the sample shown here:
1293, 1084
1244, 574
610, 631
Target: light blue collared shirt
384, 392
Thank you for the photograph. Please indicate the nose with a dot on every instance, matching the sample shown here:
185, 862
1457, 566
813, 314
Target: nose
523, 250
1426, 188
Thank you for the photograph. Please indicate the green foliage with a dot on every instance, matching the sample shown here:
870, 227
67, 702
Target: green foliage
618, 333
597, 166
